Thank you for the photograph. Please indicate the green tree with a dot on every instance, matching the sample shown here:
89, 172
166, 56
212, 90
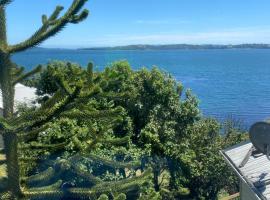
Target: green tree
159, 112
69, 130
71, 104
10, 74
168, 125
167, 132
206, 172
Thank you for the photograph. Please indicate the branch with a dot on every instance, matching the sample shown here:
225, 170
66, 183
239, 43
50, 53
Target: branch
124, 185
4, 125
117, 141
51, 26
92, 114
86, 175
112, 163
44, 194
83, 193
5, 2
27, 75
17, 71
36, 145
53, 186
30, 159
39, 117
33, 133
43, 177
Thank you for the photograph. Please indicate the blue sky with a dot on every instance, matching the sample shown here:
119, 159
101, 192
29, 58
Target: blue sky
122, 22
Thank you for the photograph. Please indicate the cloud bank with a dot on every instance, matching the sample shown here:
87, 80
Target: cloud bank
232, 36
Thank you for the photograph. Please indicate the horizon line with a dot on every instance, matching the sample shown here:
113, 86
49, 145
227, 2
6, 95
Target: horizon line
147, 44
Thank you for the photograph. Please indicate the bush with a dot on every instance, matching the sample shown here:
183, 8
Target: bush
166, 129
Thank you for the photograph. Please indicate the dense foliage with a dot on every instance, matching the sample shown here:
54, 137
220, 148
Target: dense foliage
20, 130
116, 134
166, 129
79, 148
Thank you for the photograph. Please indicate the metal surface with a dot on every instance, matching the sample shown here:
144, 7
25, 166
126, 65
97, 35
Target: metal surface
246, 158
255, 174
259, 134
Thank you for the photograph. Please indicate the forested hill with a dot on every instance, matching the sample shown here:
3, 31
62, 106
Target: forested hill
181, 46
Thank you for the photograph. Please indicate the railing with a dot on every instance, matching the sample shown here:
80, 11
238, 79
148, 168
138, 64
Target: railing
235, 196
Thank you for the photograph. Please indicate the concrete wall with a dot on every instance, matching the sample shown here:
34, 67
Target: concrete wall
246, 193
1, 142
1, 139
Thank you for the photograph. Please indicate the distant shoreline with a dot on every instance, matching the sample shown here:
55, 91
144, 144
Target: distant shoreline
180, 46
162, 47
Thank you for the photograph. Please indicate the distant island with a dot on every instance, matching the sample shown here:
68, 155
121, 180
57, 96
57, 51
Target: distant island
180, 46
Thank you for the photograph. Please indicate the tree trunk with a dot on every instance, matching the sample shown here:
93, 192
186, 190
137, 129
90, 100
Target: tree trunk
7, 88
156, 183
156, 172
10, 140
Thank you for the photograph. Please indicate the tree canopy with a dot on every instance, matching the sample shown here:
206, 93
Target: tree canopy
167, 131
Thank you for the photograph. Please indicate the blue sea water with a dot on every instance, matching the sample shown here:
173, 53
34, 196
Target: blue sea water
233, 82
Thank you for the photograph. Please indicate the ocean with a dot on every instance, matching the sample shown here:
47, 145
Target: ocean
230, 83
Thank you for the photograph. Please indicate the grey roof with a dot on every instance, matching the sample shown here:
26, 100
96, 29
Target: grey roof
256, 172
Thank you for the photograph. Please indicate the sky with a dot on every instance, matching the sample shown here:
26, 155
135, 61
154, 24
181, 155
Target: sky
125, 22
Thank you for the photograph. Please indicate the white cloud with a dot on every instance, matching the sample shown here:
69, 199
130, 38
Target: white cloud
161, 22
230, 36
241, 35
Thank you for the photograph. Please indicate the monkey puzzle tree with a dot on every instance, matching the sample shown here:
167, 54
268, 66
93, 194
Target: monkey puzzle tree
51, 25
69, 101
10, 74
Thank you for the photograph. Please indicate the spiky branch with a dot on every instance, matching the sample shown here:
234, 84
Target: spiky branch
10, 74
21, 132
5, 2
53, 25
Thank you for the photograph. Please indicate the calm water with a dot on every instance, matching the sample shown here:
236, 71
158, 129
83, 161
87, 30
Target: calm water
227, 82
